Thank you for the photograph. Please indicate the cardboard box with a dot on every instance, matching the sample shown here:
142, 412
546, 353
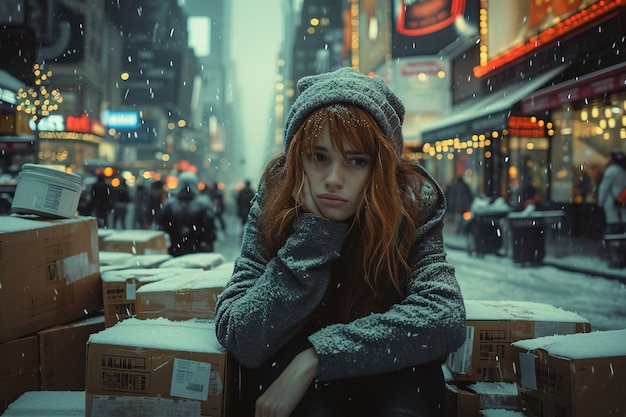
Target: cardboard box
119, 290
576, 375
189, 296
468, 400
459, 402
137, 242
63, 354
110, 261
491, 327
202, 260
50, 273
48, 404
152, 365
19, 365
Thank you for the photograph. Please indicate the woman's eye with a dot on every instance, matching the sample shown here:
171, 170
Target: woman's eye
359, 161
319, 157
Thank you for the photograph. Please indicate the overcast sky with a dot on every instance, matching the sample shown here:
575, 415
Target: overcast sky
256, 39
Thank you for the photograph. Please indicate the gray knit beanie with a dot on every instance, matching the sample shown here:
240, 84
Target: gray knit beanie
346, 85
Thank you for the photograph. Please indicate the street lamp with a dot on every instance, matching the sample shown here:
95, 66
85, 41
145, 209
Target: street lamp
38, 100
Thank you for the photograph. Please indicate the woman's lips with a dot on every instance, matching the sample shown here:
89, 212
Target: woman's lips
331, 200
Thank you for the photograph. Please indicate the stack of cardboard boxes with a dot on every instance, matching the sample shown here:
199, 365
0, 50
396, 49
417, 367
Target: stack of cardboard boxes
63, 317
165, 355
510, 362
50, 301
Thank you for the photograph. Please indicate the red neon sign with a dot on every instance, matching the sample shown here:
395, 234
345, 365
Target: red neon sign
427, 16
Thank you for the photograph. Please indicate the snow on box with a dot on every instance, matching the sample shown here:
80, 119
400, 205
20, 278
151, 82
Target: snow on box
48, 404
143, 367
161, 333
204, 260
519, 310
575, 375
190, 295
121, 260
491, 326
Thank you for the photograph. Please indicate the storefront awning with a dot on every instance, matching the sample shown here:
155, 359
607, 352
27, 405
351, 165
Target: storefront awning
486, 113
591, 85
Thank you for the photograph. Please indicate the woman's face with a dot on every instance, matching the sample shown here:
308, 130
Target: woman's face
335, 183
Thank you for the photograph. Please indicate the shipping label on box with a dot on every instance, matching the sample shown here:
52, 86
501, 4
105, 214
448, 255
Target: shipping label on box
50, 272
148, 366
491, 327
573, 375
63, 354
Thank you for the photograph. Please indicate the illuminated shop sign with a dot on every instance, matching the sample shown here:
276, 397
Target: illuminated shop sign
78, 124
120, 119
425, 27
416, 18
517, 28
8, 96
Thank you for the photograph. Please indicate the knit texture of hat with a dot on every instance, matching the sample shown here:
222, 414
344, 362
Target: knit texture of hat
346, 85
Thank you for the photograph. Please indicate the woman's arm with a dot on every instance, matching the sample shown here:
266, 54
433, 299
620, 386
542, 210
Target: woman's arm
428, 324
266, 302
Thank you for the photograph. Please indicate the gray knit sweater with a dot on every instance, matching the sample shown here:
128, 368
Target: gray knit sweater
266, 302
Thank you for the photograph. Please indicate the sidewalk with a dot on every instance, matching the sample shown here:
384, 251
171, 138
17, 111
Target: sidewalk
571, 254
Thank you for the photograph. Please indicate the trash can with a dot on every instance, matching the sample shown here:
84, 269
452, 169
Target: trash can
615, 245
485, 233
528, 239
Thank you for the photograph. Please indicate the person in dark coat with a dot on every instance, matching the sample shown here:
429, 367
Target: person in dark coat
102, 201
120, 204
217, 197
188, 218
143, 208
244, 201
459, 200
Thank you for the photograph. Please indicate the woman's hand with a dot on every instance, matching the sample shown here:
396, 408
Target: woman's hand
304, 197
282, 397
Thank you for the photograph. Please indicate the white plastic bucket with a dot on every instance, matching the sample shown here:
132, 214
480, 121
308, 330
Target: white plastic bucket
46, 191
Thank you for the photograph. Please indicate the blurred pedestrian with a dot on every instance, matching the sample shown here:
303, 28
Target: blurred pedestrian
102, 201
157, 197
342, 301
121, 199
142, 216
459, 201
187, 216
217, 197
612, 184
244, 201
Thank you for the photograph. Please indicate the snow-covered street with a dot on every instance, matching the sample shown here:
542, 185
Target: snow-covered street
600, 300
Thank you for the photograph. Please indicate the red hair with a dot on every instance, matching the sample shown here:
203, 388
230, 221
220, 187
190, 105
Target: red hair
381, 234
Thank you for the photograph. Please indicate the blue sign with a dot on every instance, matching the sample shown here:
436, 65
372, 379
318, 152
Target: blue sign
120, 119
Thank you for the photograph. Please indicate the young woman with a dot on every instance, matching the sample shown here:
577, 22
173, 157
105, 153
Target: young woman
342, 301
